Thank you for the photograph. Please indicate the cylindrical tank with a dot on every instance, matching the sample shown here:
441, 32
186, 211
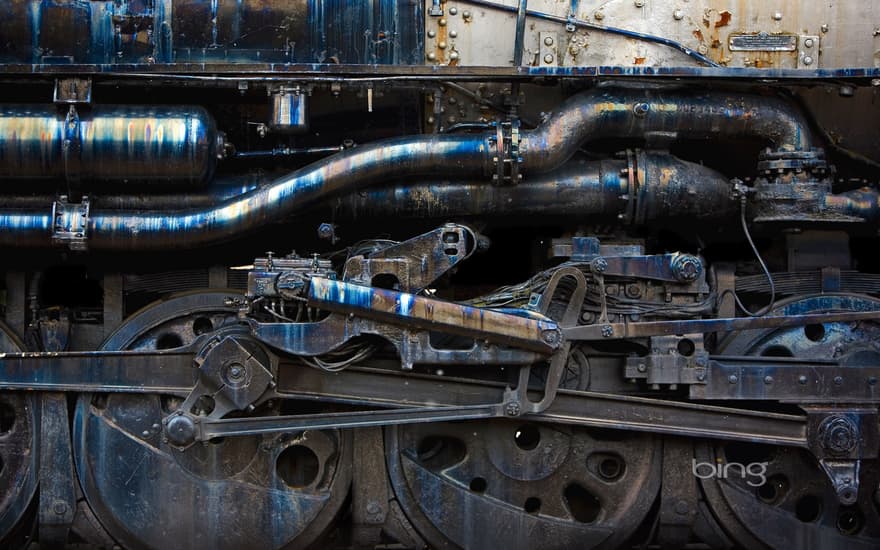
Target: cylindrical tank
167, 144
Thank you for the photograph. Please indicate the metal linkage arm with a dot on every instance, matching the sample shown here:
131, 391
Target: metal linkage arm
618, 331
169, 372
536, 333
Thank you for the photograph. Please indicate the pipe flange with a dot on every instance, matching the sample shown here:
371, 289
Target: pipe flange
506, 156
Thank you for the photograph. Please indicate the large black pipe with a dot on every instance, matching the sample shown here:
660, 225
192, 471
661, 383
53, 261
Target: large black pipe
646, 188
633, 113
590, 115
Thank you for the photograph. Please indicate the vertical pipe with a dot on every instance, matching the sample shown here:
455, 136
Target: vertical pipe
520, 32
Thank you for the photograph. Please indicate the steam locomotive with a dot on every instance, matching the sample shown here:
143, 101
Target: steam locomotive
439, 274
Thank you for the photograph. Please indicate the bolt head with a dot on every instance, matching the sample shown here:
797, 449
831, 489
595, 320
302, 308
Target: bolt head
607, 331
808, 60
181, 430
512, 409
548, 58
548, 41
678, 15
808, 43
325, 231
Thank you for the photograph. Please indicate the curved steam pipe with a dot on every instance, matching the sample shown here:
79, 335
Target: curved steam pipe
633, 113
592, 114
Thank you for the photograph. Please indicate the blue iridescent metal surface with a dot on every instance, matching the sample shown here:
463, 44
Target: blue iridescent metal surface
108, 143
202, 31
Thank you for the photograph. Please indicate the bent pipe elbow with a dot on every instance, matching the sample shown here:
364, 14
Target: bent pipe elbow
628, 113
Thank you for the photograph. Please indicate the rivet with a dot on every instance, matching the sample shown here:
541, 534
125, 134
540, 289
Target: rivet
453, 34
453, 10
466, 14
838, 380
442, 22
431, 34
678, 15
598, 16
777, 16
453, 55
639, 3
808, 60
808, 43
824, 28
768, 379
431, 56
732, 379
802, 379
442, 45
872, 380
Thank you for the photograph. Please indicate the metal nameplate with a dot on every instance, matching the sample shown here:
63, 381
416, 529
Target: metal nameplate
763, 42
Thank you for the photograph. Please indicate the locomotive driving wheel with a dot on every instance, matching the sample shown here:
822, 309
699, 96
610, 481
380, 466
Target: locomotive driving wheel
18, 448
236, 492
785, 500
515, 484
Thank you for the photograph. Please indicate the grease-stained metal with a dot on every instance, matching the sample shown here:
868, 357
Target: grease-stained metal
527, 332
589, 115
608, 331
170, 31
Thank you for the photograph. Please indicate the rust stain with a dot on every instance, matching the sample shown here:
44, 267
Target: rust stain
698, 34
639, 61
723, 19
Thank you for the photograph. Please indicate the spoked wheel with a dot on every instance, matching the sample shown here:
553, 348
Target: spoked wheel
515, 484
790, 502
18, 448
239, 492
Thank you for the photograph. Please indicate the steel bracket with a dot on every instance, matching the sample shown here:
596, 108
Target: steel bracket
73, 90
70, 223
416, 262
